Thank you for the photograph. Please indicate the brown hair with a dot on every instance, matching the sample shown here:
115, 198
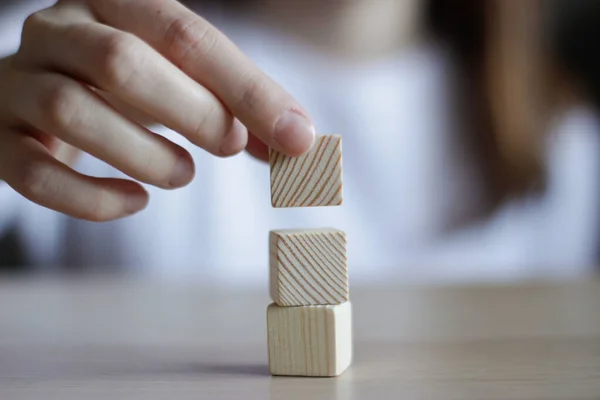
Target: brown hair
508, 51
499, 47
574, 27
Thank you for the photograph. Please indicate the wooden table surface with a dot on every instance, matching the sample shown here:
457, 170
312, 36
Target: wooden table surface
142, 340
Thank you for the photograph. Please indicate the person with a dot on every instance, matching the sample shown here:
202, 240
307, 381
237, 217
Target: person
149, 92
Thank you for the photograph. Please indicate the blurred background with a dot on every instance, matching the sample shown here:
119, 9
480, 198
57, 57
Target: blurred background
471, 139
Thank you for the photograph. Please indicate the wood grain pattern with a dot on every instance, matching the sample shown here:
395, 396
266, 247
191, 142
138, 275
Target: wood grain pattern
309, 340
312, 180
308, 267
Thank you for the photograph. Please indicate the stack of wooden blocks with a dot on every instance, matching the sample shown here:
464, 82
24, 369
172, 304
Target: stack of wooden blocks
309, 322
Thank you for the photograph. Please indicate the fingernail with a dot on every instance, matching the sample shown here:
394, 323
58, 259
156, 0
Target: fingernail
183, 172
294, 133
135, 202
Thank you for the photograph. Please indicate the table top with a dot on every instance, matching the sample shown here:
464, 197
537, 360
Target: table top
101, 339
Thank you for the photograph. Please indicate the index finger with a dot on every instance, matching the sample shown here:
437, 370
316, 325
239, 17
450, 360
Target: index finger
210, 58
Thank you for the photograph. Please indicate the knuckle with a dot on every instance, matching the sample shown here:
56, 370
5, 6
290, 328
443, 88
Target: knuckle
33, 23
205, 125
59, 104
150, 166
118, 64
34, 29
96, 210
38, 180
147, 165
250, 97
187, 36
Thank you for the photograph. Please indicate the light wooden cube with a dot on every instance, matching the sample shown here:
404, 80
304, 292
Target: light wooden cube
308, 267
309, 340
311, 180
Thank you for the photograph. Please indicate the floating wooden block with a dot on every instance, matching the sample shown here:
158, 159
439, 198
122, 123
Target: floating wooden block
309, 340
314, 179
308, 267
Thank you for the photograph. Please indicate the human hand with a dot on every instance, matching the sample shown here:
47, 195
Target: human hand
154, 55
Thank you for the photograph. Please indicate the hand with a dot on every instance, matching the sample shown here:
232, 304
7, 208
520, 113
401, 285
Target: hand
155, 56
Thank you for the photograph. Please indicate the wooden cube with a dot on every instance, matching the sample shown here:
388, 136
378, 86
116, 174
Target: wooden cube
308, 267
311, 180
309, 340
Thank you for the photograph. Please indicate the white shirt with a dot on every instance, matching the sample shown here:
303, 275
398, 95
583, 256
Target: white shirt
404, 176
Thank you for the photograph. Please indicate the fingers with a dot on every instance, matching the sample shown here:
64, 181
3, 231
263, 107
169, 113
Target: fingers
73, 113
208, 57
257, 149
28, 167
125, 66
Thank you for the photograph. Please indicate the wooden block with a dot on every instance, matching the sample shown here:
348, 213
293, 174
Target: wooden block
309, 340
314, 179
308, 267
